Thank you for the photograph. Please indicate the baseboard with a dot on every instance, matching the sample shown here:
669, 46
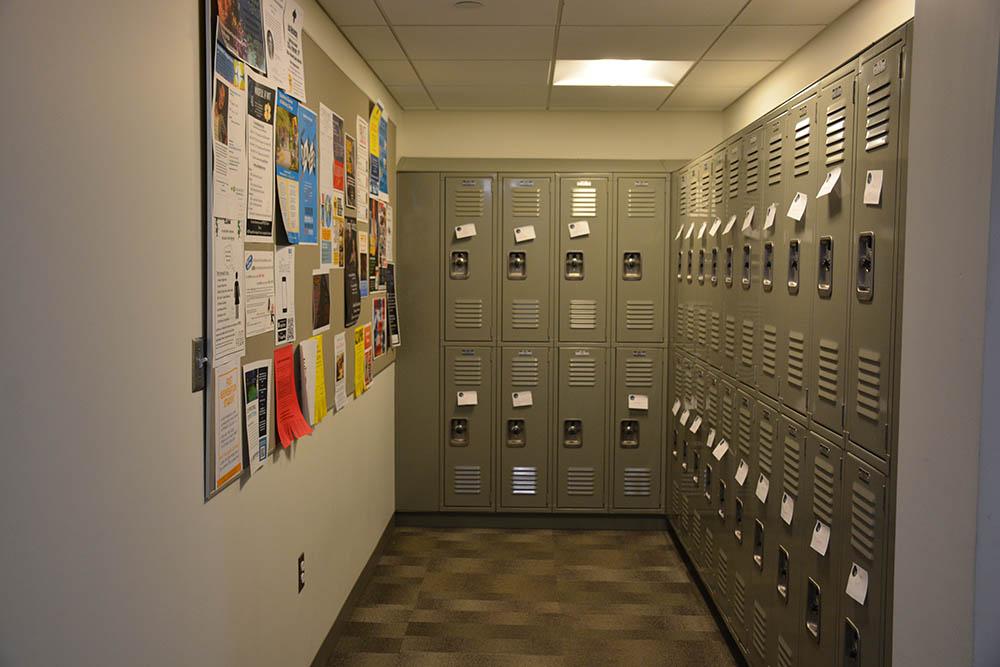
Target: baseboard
520, 520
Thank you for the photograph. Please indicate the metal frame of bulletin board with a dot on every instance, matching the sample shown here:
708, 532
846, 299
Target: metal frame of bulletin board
327, 84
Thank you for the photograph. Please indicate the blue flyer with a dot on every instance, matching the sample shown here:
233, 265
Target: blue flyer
308, 157
286, 162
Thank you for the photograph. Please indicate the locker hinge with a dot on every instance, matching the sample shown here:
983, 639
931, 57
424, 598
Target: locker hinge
854, 92
902, 64
843, 414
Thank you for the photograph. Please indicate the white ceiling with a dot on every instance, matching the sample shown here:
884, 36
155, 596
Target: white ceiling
432, 54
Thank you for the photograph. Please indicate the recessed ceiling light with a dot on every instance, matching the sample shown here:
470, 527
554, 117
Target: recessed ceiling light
469, 4
649, 73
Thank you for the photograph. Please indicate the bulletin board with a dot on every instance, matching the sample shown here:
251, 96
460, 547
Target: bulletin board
327, 84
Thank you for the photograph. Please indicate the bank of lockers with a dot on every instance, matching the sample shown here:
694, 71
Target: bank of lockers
637, 438
640, 248
524, 427
468, 254
582, 259
581, 428
467, 403
526, 238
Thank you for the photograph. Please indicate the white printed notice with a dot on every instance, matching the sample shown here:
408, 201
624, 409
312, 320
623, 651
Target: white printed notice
521, 399
638, 402
710, 438
820, 538
676, 407
695, 425
284, 295
762, 488
296, 83
260, 161
259, 268
748, 218
228, 425
741, 472
729, 224
229, 159
787, 508
857, 584
715, 227
720, 451
465, 231
326, 205
467, 398
798, 206
256, 407
873, 187
582, 228
769, 219
228, 332
340, 370
273, 13
361, 168
829, 183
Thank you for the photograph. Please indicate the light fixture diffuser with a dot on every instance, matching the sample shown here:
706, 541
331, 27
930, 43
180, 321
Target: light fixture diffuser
640, 73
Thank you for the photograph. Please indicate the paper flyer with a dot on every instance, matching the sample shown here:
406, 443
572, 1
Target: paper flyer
326, 204
350, 161
383, 157
379, 324
286, 162
377, 241
359, 361
229, 159
340, 370
258, 267
313, 378
260, 161
374, 117
284, 295
363, 263
338, 230
361, 170
257, 409
327, 249
228, 307
296, 72
390, 231
352, 287
228, 424
369, 357
319, 408
308, 230
274, 42
321, 301
392, 316
291, 425
241, 31
338, 153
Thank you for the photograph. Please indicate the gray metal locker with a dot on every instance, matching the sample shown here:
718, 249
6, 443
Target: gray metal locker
862, 626
581, 428
686, 194
771, 217
640, 243
729, 258
711, 278
636, 433
468, 257
526, 257
524, 427
744, 433
728, 555
747, 259
832, 214
764, 567
582, 261
468, 427
877, 151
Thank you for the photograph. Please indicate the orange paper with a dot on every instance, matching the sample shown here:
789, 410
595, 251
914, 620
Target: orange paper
291, 424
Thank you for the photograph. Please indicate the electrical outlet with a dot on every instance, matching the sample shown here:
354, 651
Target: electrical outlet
302, 571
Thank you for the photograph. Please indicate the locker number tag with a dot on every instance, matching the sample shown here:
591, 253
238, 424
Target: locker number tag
465, 231
677, 407
748, 218
581, 228
729, 225
720, 451
521, 399
468, 398
798, 206
787, 508
684, 417
762, 487
741, 472
710, 438
701, 230
873, 187
832, 177
679, 232
690, 231
695, 425
857, 583
715, 227
769, 219
820, 538
638, 402
526, 233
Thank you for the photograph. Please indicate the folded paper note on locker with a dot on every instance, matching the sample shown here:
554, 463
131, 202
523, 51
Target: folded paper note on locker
291, 424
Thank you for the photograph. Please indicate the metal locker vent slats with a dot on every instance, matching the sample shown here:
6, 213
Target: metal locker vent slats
640, 314
641, 203
713, 339
836, 132
704, 192
584, 202
800, 162
718, 180
525, 313
467, 480
734, 174
723, 574
829, 371
774, 158
727, 414
708, 550
526, 202
759, 634
796, 359
468, 372
877, 114
639, 372
685, 513
580, 481
702, 327
753, 166
770, 348
785, 655
582, 313
468, 314
583, 372
692, 326
739, 599
696, 530
682, 197
869, 392
469, 202
730, 348
863, 510
712, 403
765, 453
746, 344
792, 459
746, 430
637, 481
823, 490
524, 480
524, 371
675, 497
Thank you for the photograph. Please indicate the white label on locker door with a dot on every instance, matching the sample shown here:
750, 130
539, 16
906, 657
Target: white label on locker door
695, 425
684, 417
720, 451
741, 472
873, 187
582, 228
525, 233
762, 487
798, 206
677, 407
701, 230
820, 538
857, 583
729, 225
690, 231
748, 218
710, 438
715, 227
521, 399
679, 232
829, 183
787, 508
769, 219
638, 402
465, 231
468, 398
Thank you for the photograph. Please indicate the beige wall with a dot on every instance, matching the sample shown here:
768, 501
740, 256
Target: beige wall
866, 22
109, 555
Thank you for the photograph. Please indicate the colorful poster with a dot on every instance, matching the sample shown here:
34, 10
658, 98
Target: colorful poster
349, 169
229, 158
321, 301
352, 288
377, 241
338, 230
308, 232
338, 153
361, 170
258, 267
241, 30
327, 249
228, 307
392, 315
291, 424
359, 361
286, 163
260, 161
363, 263
379, 317
383, 158
228, 425
257, 410
369, 357
374, 117
284, 295
340, 370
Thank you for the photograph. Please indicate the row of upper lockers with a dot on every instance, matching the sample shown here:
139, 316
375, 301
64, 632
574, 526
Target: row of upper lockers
787, 248
550, 259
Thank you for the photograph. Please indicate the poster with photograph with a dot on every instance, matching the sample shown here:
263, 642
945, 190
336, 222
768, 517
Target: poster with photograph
258, 267
340, 370
241, 31
284, 295
352, 288
260, 161
338, 153
326, 226
257, 411
374, 117
361, 170
379, 328
338, 230
363, 263
321, 301
228, 307
392, 315
349, 169
286, 163
390, 232
377, 213
296, 71
308, 182
229, 159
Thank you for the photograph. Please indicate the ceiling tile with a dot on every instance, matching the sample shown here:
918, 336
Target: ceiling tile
650, 12
476, 43
480, 72
411, 97
651, 43
489, 97
607, 98
374, 42
729, 73
492, 12
352, 12
395, 72
691, 98
761, 42
793, 12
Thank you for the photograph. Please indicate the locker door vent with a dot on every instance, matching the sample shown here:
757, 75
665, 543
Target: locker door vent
718, 181
580, 481
583, 372
785, 656
584, 202
675, 497
637, 481
770, 350
639, 372
800, 163
796, 359
739, 599
723, 574
468, 314
713, 340
682, 197
746, 430
708, 550
526, 202
685, 514
753, 167
641, 203
525, 313
863, 509
828, 379
524, 371
696, 530
759, 630
702, 327
836, 132
582, 314
878, 113
730, 337
469, 202
692, 325
734, 174
869, 384
774, 158
712, 403
823, 490
727, 414
467, 480
639, 314
792, 458
765, 451
523, 480
703, 191
746, 344
468, 372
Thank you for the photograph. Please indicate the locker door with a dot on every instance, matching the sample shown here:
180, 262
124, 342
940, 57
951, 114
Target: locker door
747, 262
637, 431
714, 539
687, 191
862, 626
728, 260
525, 425
821, 512
832, 271
727, 557
581, 427
468, 427
710, 282
796, 252
767, 485
468, 256
773, 197
641, 241
583, 259
526, 246
743, 566
873, 252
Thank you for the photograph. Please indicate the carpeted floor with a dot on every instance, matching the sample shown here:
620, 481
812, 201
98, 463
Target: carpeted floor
531, 597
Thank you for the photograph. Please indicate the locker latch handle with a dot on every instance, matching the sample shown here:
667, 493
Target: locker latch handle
729, 266
574, 265
746, 267
517, 265
814, 609
783, 574
824, 279
684, 462
458, 268
715, 267
674, 450
632, 266
573, 433
690, 271
866, 266
768, 276
738, 519
758, 544
852, 644
706, 476
459, 433
680, 264
629, 434
793, 266
516, 436
701, 266
722, 499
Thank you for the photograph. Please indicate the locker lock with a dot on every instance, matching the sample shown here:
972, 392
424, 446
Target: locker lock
768, 278
517, 265
632, 266
745, 279
459, 433
629, 433
515, 433
793, 266
729, 267
574, 265
459, 267
573, 433
866, 266
824, 279
715, 267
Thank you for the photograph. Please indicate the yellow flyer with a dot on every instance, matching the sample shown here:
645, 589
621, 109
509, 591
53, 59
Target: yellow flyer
319, 409
359, 361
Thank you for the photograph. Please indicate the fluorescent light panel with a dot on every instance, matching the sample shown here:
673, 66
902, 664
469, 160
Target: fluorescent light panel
645, 73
